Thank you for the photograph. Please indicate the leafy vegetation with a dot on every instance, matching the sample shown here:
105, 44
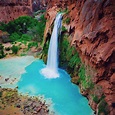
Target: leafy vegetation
75, 60
67, 20
69, 57
65, 11
103, 108
85, 80
38, 31
14, 49
95, 99
31, 44
24, 28
63, 29
2, 55
14, 36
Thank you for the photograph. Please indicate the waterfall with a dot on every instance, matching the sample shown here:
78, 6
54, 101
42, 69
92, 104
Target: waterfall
51, 70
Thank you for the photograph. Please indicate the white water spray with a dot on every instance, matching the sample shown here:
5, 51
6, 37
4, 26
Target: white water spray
51, 70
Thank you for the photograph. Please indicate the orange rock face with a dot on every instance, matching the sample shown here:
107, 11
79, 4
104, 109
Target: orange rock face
12, 9
92, 30
94, 37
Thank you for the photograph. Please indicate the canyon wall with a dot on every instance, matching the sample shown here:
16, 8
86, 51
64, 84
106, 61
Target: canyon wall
12, 9
91, 30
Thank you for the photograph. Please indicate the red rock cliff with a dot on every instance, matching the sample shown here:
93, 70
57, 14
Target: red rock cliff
92, 32
12, 9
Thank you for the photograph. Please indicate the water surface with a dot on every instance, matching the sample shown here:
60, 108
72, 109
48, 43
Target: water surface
65, 96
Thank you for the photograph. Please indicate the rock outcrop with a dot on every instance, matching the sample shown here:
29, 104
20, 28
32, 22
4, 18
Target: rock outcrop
12, 9
39, 5
91, 28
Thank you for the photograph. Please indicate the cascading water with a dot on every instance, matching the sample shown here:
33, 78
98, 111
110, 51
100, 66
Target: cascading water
51, 70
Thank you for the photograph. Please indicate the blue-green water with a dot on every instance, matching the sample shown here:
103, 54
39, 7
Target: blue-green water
65, 96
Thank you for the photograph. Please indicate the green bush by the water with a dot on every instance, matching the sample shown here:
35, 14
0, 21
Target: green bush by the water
2, 55
85, 80
14, 49
31, 44
103, 108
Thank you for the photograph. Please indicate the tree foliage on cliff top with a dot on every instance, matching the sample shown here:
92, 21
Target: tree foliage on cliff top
25, 25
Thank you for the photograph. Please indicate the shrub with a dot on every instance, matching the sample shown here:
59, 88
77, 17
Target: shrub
38, 31
95, 99
67, 20
64, 29
103, 108
2, 55
14, 49
85, 81
14, 36
31, 44
2, 26
74, 60
21, 25
45, 48
0, 93
25, 37
19, 28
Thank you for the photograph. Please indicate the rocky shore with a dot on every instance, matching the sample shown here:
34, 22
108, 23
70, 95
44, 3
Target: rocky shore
12, 103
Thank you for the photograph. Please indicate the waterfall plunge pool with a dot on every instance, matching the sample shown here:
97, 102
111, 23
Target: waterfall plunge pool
64, 95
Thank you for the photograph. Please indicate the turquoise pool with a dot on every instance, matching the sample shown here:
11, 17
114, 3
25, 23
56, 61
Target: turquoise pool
64, 95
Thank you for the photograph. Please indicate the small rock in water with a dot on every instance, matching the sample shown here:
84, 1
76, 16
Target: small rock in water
6, 79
